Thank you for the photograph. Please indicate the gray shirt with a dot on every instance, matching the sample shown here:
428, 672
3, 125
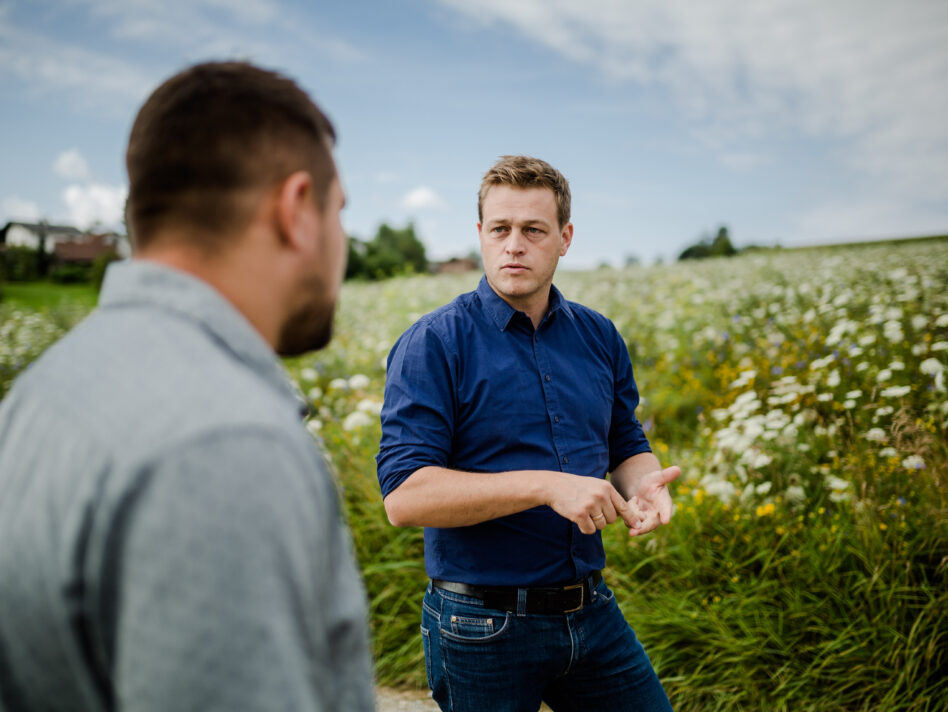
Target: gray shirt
170, 538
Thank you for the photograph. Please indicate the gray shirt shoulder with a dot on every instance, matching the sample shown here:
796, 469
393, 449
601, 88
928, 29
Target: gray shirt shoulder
172, 536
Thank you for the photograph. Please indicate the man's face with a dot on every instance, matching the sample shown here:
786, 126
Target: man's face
309, 326
521, 243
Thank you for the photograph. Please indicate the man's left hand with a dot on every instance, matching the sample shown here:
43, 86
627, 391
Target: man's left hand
651, 504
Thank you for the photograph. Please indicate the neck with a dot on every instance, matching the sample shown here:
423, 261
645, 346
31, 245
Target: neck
535, 306
234, 274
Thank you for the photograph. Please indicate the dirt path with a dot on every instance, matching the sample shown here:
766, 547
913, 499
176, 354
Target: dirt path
389, 699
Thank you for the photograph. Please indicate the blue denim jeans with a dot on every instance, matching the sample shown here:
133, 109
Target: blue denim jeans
485, 660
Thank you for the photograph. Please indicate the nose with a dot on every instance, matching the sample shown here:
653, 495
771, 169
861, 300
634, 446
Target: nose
515, 243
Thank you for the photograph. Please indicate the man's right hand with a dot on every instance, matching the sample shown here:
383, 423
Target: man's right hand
589, 502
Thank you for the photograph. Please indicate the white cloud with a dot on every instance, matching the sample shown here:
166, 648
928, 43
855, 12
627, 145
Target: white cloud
71, 165
422, 198
863, 218
103, 80
46, 65
872, 74
95, 203
15, 208
743, 161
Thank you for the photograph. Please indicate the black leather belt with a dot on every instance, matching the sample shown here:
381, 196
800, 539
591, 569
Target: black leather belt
540, 599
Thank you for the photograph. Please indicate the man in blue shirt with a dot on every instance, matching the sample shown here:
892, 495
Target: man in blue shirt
504, 412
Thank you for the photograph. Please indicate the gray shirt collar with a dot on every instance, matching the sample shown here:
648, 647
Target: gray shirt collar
146, 283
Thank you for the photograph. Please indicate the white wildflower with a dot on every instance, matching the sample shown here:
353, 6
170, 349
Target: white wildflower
895, 391
931, 367
884, 375
722, 489
942, 320
836, 483
763, 487
356, 421
315, 393
359, 382
339, 384
756, 459
833, 379
892, 330
913, 462
853, 394
888, 452
309, 374
314, 425
824, 397
370, 406
940, 346
795, 494
875, 435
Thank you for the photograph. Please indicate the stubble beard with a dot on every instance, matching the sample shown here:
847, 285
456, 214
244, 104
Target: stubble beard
309, 327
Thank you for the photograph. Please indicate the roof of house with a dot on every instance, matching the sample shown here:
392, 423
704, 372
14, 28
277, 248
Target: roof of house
84, 250
38, 227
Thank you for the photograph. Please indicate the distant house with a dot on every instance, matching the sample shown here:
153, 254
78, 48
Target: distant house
455, 265
64, 244
34, 235
90, 246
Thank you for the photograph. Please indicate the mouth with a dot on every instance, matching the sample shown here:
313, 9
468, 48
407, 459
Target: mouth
514, 268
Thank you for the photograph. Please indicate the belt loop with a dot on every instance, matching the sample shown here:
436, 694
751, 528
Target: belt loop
521, 601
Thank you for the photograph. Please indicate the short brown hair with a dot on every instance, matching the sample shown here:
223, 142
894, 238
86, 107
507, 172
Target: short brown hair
210, 136
526, 172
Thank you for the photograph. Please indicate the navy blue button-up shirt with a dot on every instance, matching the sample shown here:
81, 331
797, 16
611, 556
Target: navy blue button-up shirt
473, 387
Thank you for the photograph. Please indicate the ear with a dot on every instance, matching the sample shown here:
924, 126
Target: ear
566, 238
295, 209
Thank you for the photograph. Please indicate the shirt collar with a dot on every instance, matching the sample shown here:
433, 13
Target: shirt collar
501, 312
145, 283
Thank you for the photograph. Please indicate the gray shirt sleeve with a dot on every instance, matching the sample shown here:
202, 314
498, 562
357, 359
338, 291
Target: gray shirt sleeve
228, 583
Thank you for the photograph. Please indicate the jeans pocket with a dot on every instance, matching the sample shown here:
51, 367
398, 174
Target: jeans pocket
472, 625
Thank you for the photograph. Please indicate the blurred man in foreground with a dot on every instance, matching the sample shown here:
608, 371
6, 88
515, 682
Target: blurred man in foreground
504, 411
170, 537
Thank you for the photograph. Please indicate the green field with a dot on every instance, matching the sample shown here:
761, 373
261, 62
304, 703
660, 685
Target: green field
46, 296
803, 393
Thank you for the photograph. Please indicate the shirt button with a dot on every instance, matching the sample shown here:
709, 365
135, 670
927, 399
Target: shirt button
556, 418
565, 460
547, 377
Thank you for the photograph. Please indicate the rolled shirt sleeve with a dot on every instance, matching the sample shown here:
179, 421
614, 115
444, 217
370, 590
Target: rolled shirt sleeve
419, 406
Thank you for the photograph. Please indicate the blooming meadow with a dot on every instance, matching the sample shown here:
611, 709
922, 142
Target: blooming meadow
803, 392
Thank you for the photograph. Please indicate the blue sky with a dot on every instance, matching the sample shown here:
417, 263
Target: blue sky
790, 121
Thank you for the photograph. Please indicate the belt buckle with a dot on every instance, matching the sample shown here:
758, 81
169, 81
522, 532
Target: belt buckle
582, 595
